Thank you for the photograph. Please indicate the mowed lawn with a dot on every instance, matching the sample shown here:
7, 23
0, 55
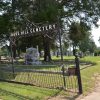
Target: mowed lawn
90, 73
9, 91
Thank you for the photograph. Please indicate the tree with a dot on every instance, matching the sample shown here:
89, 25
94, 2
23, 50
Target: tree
4, 21
43, 11
87, 44
84, 11
77, 33
47, 12
87, 11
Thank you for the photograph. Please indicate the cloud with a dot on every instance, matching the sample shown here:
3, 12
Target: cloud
96, 35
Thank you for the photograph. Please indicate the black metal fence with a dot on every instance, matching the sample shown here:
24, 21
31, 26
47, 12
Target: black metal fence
48, 76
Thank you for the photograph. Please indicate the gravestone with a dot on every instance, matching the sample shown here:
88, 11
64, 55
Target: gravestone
32, 56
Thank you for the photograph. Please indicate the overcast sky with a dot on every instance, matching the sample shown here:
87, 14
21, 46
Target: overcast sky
96, 34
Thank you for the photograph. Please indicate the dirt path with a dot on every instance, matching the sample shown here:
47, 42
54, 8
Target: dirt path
95, 95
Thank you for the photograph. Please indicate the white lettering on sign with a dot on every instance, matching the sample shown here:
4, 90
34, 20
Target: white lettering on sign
31, 30
54, 26
43, 28
50, 26
22, 33
39, 29
46, 28
35, 30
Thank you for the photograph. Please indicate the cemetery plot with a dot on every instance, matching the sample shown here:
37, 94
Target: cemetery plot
47, 77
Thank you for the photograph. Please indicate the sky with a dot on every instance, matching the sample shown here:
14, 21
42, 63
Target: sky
96, 34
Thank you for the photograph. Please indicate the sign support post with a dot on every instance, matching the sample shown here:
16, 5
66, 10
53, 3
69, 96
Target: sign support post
59, 32
12, 61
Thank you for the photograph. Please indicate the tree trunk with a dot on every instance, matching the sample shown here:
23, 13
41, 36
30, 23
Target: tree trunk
74, 50
40, 54
13, 48
14, 51
18, 51
46, 44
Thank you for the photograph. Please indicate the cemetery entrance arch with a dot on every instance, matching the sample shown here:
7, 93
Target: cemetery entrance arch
45, 30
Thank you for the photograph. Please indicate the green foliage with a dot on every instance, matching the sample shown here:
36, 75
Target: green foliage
97, 51
77, 32
4, 26
88, 11
3, 51
87, 44
47, 11
18, 13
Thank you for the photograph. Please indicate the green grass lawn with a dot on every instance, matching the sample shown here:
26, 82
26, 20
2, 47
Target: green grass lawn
87, 74
10, 91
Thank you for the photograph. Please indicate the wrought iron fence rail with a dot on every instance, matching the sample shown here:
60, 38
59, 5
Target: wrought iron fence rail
48, 78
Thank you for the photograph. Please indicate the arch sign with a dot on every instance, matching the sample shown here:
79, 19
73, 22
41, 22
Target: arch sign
32, 30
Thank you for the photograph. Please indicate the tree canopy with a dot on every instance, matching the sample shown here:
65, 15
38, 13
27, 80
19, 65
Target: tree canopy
87, 44
75, 17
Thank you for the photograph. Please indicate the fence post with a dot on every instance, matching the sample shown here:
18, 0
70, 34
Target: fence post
78, 74
64, 79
